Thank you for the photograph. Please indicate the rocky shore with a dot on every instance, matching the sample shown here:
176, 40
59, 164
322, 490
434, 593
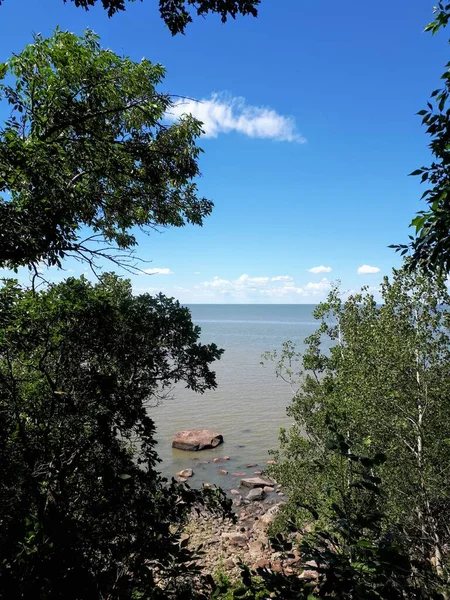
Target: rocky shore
225, 544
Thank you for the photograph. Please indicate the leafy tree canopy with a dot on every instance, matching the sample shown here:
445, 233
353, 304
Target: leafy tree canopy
87, 148
177, 14
430, 247
83, 511
382, 372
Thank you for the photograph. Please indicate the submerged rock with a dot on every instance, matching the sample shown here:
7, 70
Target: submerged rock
197, 439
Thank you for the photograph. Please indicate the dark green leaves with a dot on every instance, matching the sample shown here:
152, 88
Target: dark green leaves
177, 14
88, 145
83, 511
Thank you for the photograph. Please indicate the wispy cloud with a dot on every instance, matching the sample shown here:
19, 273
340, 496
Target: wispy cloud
222, 113
320, 269
196, 272
282, 278
260, 289
158, 271
367, 270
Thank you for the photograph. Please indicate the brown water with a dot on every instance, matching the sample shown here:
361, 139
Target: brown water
249, 405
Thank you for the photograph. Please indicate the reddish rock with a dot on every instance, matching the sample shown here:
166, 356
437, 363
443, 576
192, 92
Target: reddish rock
262, 563
234, 492
255, 482
225, 458
223, 472
216, 460
181, 479
197, 439
310, 573
185, 473
239, 474
257, 472
251, 465
271, 462
268, 489
276, 566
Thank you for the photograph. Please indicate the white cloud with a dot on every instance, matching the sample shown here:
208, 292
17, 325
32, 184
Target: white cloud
282, 278
222, 113
196, 272
158, 271
259, 289
319, 286
367, 270
320, 269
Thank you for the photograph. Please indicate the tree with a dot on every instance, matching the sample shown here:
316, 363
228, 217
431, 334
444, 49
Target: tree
177, 14
430, 247
348, 554
87, 155
382, 372
83, 511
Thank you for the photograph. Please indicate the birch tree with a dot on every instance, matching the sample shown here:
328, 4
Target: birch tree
382, 374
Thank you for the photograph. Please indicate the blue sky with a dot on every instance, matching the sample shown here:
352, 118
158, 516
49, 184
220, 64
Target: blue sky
311, 133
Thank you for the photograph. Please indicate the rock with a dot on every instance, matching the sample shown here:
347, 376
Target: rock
256, 494
216, 459
276, 566
255, 482
310, 573
269, 516
236, 539
235, 492
251, 465
268, 489
197, 439
271, 462
257, 472
223, 472
181, 479
206, 484
255, 548
225, 458
185, 473
262, 563
203, 462
239, 474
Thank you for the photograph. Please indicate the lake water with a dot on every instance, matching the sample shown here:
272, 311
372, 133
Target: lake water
249, 405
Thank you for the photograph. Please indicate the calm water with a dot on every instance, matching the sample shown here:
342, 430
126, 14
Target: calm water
249, 405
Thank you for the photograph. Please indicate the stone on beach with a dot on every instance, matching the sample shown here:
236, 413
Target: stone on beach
197, 439
223, 472
255, 482
256, 493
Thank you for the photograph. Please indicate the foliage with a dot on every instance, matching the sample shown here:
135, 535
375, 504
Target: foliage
83, 511
177, 14
383, 373
348, 552
430, 248
87, 149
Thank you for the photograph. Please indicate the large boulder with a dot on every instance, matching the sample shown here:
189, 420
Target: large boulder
255, 482
256, 493
197, 439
